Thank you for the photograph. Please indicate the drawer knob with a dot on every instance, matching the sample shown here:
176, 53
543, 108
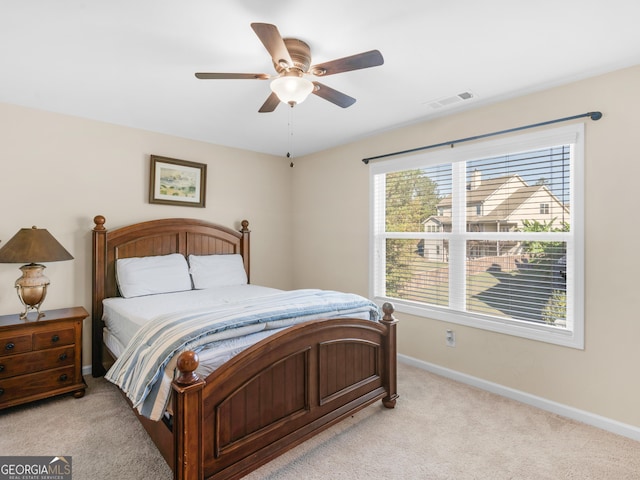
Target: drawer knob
1, 367
63, 356
1, 391
55, 338
63, 377
9, 346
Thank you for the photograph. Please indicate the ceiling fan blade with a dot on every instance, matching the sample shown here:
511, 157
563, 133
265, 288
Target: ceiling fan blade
273, 42
270, 105
233, 76
334, 96
372, 58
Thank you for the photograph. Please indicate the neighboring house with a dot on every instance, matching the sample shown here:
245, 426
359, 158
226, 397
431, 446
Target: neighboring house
498, 204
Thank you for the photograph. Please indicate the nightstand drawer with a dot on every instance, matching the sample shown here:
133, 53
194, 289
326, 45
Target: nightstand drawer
16, 343
41, 358
35, 383
53, 338
36, 361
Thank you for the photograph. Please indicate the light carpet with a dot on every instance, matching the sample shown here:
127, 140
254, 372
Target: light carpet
440, 429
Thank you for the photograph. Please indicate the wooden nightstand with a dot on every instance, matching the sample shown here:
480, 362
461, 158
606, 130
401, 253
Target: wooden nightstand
41, 358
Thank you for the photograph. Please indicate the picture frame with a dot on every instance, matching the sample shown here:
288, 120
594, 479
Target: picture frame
177, 182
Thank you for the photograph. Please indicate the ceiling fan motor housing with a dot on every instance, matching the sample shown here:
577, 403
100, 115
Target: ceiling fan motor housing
300, 54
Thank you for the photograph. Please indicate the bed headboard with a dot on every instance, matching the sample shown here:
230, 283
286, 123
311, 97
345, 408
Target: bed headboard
156, 237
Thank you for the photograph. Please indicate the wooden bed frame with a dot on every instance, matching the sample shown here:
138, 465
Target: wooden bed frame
267, 399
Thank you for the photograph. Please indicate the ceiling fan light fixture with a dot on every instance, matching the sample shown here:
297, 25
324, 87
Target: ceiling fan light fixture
292, 88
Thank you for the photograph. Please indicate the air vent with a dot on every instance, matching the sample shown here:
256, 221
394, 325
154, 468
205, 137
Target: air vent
449, 101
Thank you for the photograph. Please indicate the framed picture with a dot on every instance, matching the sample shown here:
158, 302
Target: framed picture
177, 182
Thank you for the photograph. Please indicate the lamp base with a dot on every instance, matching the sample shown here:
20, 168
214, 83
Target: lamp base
32, 288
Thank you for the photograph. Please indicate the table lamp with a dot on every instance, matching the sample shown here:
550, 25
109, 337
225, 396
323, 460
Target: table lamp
31, 245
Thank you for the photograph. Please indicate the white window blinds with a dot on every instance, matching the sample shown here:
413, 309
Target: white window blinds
487, 235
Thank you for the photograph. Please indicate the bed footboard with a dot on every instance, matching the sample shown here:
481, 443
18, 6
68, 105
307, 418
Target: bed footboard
278, 393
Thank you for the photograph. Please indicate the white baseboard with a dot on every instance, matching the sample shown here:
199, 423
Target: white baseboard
604, 423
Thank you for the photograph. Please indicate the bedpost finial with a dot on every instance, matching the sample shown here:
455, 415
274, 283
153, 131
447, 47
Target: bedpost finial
245, 225
388, 309
187, 363
99, 220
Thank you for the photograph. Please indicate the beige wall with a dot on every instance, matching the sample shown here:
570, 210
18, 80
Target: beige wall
310, 226
331, 219
58, 172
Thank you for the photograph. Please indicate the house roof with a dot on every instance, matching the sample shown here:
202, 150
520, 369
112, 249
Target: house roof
486, 188
514, 201
503, 212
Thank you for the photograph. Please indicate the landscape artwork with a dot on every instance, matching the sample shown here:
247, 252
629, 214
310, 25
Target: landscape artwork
177, 182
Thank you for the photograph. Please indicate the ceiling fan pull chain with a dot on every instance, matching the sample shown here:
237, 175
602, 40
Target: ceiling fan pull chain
290, 135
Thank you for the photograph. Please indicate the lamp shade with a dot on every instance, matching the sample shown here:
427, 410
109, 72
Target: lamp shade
292, 88
33, 245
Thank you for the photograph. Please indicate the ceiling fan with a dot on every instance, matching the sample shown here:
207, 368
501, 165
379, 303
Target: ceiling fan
292, 61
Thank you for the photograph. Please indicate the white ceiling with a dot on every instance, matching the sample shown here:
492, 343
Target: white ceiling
132, 62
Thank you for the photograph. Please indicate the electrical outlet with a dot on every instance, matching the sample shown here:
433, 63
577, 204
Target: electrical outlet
451, 338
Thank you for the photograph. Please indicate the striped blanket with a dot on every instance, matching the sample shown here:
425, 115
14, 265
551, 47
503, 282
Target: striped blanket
146, 368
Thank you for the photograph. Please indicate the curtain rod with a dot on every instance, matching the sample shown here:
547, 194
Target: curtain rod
593, 115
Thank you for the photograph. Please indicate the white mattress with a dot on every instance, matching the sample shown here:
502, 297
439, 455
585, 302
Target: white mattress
124, 316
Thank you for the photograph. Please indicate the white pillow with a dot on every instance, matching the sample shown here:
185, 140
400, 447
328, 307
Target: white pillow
209, 271
139, 276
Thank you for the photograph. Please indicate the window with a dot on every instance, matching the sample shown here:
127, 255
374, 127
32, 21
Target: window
515, 265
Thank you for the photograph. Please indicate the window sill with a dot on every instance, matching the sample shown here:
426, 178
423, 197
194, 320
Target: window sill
532, 331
